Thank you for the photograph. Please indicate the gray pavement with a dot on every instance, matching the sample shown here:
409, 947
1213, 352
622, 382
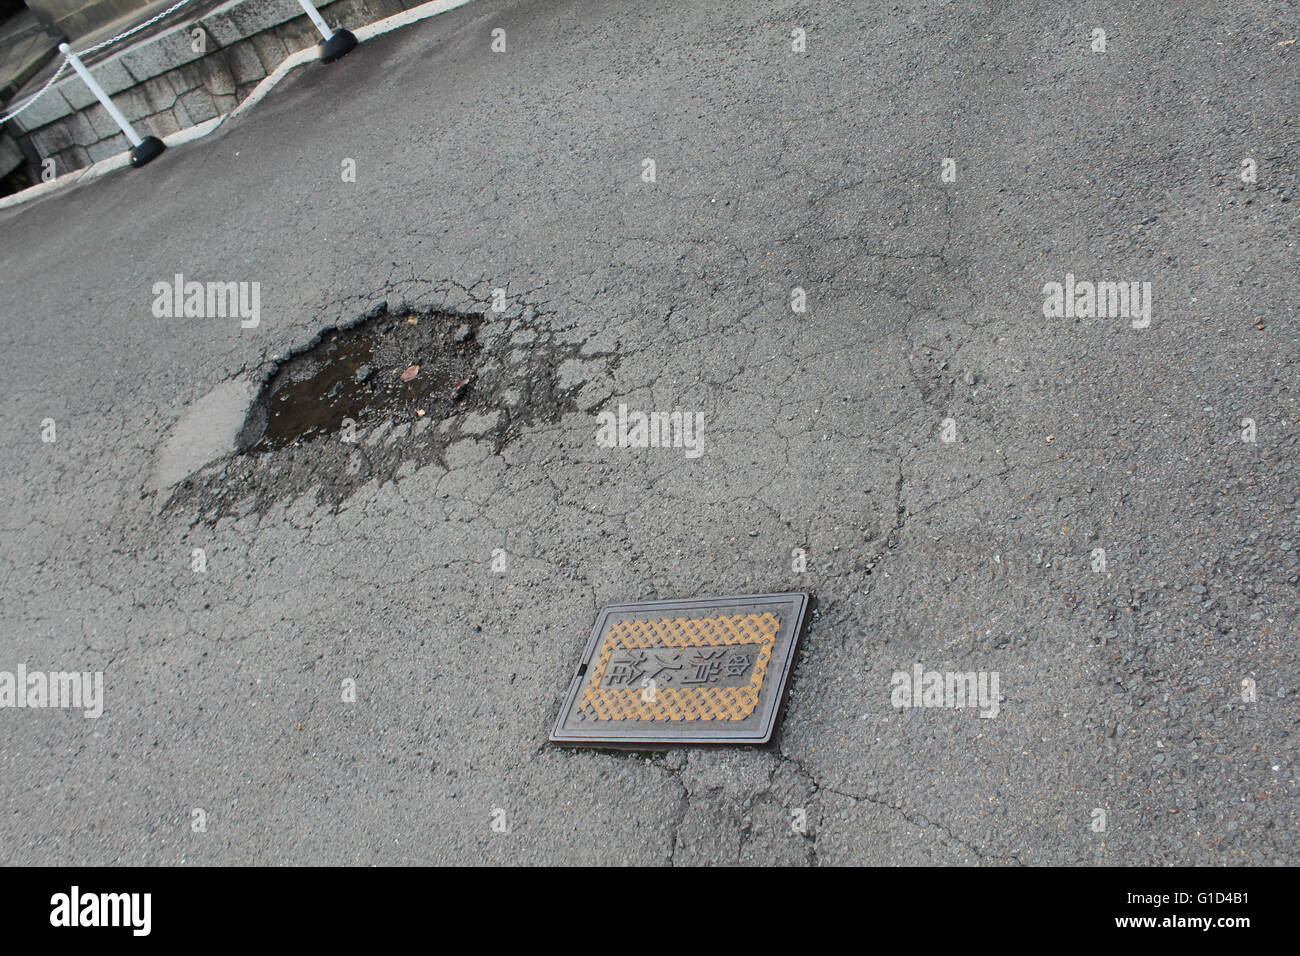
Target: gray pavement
824, 431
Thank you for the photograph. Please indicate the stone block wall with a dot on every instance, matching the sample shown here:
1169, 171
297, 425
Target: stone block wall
162, 84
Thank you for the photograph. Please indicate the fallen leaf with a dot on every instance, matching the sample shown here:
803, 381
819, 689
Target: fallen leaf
410, 373
411, 320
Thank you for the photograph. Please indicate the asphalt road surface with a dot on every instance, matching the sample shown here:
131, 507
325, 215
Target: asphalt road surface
1074, 502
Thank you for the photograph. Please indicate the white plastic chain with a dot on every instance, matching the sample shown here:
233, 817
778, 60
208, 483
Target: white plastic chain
41, 92
94, 49
136, 29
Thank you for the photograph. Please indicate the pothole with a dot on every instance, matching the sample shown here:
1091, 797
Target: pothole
414, 367
359, 403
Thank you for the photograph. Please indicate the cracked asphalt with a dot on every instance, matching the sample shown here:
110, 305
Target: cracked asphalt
774, 169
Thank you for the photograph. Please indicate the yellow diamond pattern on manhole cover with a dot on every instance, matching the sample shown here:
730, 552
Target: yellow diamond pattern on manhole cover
648, 701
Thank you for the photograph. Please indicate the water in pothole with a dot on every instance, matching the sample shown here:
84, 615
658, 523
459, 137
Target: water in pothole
417, 366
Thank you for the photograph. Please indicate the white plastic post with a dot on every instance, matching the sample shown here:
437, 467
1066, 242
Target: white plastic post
316, 18
100, 95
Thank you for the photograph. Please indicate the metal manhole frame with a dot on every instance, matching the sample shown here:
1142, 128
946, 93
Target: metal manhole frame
797, 601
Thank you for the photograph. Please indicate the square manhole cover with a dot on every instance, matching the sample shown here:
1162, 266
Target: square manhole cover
707, 670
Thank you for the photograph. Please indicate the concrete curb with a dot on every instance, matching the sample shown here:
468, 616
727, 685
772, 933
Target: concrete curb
268, 83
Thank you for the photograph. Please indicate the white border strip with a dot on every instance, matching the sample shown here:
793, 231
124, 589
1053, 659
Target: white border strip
268, 83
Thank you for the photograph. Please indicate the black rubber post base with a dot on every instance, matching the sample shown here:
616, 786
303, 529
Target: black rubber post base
339, 44
150, 148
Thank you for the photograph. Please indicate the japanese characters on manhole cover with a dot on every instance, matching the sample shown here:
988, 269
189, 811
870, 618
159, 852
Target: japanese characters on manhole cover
707, 670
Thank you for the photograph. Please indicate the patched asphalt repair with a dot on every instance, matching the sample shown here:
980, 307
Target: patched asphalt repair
1122, 688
